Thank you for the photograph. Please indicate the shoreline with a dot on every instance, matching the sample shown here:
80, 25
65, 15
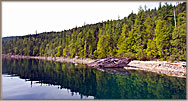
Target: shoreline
58, 59
160, 67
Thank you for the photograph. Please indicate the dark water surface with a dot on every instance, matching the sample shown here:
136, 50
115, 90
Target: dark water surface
41, 79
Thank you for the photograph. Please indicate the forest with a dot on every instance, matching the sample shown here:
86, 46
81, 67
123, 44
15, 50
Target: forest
151, 34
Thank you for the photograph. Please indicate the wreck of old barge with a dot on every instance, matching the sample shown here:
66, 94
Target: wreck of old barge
115, 62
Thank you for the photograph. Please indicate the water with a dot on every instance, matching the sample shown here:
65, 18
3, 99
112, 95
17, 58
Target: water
41, 79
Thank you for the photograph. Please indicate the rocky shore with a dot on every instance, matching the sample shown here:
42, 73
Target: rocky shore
161, 67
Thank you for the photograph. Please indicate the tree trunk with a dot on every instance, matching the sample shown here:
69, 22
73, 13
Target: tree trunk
175, 17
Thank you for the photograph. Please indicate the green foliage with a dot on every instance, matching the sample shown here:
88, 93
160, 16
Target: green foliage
15, 50
122, 45
59, 51
100, 46
162, 34
151, 49
179, 39
150, 34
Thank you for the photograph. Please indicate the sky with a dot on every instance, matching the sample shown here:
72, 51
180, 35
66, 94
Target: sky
23, 18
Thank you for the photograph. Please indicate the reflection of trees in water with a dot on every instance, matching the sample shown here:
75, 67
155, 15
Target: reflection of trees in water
92, 82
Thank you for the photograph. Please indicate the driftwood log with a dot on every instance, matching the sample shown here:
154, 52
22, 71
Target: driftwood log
116, 62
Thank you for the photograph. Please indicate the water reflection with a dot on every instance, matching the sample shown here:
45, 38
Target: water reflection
113, 84
16, 88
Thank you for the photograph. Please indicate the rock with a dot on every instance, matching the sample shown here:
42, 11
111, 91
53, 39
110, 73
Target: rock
115, 62
76, 57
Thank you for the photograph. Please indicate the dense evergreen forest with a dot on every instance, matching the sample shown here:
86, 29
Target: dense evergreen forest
150, 34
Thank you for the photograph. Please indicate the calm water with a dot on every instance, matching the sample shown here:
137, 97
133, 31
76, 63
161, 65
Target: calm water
40, 79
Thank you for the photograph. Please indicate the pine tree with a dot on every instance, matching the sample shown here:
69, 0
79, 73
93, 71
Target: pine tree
100, 45
162, 34
179, 39
122, 49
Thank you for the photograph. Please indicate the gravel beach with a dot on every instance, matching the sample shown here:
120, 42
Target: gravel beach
162, 67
